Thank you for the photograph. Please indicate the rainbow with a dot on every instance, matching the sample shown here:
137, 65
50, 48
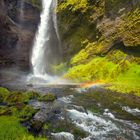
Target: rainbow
92, 84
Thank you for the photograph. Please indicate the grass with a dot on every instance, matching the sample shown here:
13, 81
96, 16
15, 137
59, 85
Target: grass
11, 129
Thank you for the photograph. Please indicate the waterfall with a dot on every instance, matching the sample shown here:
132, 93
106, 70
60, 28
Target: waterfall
46, 50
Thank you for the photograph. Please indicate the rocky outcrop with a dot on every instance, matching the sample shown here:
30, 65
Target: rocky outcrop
105, 21
18, 23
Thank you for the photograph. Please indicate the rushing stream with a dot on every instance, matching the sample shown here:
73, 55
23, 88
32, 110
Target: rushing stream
100, 126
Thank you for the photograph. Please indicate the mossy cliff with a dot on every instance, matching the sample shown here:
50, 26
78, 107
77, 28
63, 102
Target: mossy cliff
101, 41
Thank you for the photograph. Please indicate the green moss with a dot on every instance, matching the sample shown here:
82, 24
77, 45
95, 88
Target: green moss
98, 68
73, 5
129, 28
86, 54
49, 97
26, 113
31, 95
117, 56
128, 81
3, 93
16, 97
5, 111
10, 129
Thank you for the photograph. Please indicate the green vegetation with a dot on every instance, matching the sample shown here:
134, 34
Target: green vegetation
48, 97
3, 93
11, 129
26, 113
74, 5
129, 28
123, 74
16, 97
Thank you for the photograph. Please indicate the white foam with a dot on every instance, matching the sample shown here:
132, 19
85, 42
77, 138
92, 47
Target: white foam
62, 136
134, 112
66, 99
95, 125
109, 114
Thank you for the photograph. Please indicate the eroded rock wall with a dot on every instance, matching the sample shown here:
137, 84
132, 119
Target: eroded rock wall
17, 33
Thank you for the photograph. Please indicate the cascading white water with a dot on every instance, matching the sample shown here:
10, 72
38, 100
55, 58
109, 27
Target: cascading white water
42, 56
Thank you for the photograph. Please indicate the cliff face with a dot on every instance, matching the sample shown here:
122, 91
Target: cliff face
18, 24
107, 21
101, 40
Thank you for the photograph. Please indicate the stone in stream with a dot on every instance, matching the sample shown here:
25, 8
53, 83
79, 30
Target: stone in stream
62, 136
38, 105
47, 112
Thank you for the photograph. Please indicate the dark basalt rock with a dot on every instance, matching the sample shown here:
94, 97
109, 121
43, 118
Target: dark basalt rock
16, 34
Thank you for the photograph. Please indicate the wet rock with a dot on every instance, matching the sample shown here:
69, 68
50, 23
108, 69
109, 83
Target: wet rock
48, 112
62, 136
79, 108
43, 115
38, 105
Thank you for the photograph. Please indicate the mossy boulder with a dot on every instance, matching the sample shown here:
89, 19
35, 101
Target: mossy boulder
49, 97
5, 111
32, 94
26, 113
3, 93
16, 97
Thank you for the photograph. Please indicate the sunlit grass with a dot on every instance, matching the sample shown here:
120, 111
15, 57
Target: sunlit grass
11, 129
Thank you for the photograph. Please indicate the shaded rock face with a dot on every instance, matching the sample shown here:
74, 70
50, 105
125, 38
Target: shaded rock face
17, 33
